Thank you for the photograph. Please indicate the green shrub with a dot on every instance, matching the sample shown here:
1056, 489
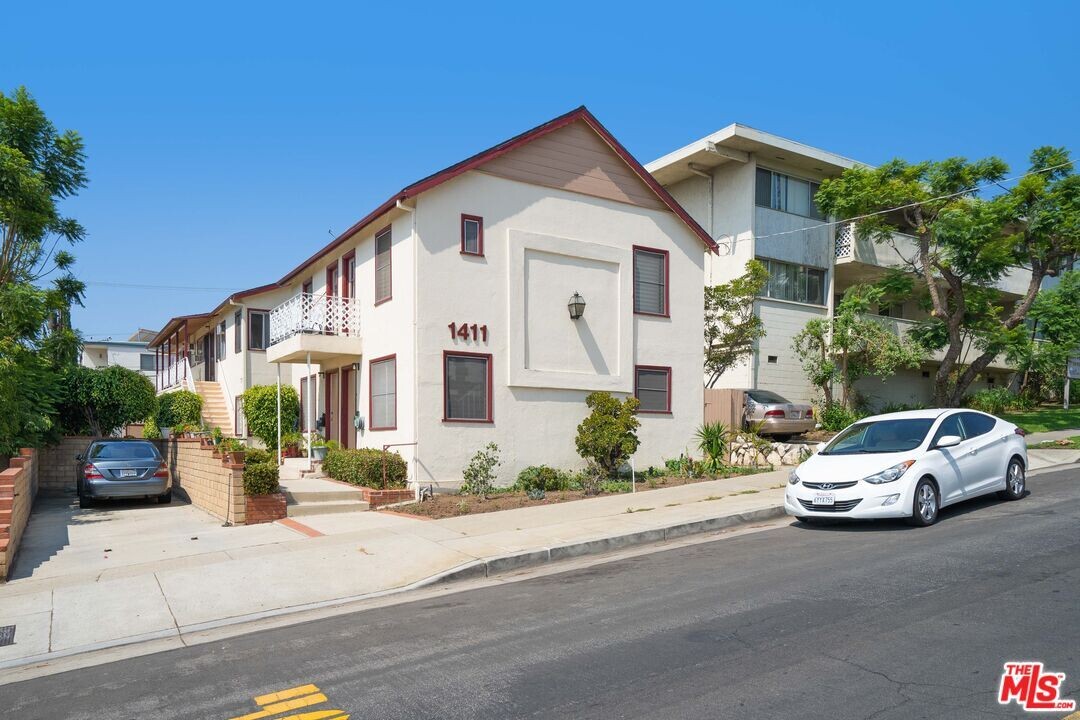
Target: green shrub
364, 466
260, 411
609, 434
899, 407
542, 477
255, 456
181, 407
994, 401
835, 417
103, 400
150, 430
479, 474
260, 478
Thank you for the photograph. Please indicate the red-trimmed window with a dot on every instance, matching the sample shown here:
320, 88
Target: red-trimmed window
384, 285
348, 275
467, 387
382, 393
308, 287
258, 329
651, 281
472, 235
652, 388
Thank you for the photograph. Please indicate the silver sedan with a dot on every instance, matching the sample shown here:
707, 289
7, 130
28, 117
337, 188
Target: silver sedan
778, 416
122, 469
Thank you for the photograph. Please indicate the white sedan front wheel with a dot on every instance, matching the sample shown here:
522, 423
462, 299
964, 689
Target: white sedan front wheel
926, 504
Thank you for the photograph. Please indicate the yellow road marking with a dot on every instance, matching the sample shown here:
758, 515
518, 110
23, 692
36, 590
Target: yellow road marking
318, 715
275, 708
285, 694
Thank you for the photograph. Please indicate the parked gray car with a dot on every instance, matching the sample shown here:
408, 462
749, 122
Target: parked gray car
778, 416
113, 468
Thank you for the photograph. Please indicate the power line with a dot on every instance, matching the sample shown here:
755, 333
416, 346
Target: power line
909, 205
136, 286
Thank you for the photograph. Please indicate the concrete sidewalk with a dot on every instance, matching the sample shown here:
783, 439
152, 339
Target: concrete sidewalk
86, 583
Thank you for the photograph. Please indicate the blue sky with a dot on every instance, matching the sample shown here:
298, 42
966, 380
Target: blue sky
226, 141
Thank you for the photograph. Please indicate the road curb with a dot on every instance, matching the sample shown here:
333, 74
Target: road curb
516, 561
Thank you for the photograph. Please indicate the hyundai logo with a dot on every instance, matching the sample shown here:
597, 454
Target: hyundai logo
827, 486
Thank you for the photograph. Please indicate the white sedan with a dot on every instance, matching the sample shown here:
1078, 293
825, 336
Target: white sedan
909, 465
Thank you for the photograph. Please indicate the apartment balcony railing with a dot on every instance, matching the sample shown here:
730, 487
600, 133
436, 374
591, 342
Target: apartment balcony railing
308, 314
845, 240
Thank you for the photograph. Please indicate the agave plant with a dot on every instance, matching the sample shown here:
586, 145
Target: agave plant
713, 439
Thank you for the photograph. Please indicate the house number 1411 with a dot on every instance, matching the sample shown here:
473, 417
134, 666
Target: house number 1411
465, 331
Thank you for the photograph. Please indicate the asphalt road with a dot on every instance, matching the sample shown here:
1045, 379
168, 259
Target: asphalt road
869, 621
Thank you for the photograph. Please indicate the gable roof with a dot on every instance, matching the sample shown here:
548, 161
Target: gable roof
174, 323
471, 163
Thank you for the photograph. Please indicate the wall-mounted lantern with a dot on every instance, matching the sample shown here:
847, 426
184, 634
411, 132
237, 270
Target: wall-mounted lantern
576, 306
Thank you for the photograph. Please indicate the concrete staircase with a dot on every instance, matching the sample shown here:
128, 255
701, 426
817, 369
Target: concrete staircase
313, 496
215, 412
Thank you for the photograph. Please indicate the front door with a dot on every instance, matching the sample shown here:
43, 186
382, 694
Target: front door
959, 459
345, 409
209, 371
331, 429
988, 459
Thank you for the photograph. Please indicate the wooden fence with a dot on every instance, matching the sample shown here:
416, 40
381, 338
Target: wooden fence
724, 405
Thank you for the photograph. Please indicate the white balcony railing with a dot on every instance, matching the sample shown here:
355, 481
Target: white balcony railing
845, 240
314, 314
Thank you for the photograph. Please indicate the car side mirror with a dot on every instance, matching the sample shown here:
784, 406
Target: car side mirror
948, 441
820, 447
80, 457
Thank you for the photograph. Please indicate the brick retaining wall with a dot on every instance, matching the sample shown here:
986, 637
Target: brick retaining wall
57, 466
18, 486
376, 497
264, 508
204, 480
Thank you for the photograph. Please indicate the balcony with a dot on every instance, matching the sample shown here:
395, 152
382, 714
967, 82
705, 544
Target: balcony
314, 327
902, 327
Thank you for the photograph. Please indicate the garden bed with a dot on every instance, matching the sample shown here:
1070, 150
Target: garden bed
446, 505
1072, 443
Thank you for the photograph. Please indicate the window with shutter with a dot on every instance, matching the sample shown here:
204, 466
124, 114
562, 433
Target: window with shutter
467, 387
650, 282
383, 281
652, 388
383, 382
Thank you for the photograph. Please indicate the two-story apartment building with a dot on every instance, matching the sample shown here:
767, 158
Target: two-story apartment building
485, 302
131, 353
754, 193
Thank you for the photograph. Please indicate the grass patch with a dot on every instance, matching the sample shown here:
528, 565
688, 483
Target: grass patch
746, 492
1045, 419
637, 510
711, 497
673, 504
1072, 443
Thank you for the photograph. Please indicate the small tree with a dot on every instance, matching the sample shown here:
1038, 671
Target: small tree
479, 474
101, 401
850, 345
261, 411
731, 327
609, 434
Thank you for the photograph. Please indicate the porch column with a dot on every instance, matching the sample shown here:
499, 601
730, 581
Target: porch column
279, 414
310, 414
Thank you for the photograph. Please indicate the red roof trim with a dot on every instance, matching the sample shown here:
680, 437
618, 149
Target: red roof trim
471, 163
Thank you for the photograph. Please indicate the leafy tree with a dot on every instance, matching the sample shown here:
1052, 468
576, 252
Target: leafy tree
851, 345
609, 434
966, 245
1052, 334
260, 411
102, 400
38, 168
731, 327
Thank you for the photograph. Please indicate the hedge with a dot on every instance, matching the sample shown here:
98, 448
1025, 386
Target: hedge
181, 406
260, 411
364, 466
260, 478
257, 456
542, 477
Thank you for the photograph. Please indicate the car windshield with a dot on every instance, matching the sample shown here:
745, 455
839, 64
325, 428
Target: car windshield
764, 396
123, 451
882, 436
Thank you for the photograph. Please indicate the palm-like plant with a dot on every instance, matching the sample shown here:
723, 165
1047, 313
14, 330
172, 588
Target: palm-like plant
713, 439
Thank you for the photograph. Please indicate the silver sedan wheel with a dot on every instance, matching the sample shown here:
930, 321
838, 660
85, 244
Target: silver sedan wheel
927, 500
1016, 479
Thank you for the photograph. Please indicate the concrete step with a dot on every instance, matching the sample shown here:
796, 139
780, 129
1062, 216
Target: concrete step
326, 508
313, 496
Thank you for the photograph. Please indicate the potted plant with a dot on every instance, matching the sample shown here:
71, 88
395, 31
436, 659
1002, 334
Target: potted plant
319, 448
291, 444
233, 451
216, 436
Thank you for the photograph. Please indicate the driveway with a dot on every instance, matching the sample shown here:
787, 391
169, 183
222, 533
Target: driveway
120, 537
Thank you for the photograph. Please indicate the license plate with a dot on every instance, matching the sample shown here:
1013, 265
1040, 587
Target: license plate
824, 498
795, 414
128, 473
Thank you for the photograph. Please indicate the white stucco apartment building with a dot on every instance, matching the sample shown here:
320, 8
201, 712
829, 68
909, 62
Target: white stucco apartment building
441, 321
753, 192
131, 353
